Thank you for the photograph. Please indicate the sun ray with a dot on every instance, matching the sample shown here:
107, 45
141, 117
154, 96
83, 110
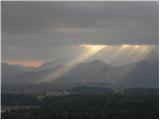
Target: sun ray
133, 53
138, 53
119, 50
91, 50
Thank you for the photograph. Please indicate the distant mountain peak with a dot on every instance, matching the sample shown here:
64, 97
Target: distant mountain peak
98, 62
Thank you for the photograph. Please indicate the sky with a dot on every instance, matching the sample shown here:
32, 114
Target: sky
34, 32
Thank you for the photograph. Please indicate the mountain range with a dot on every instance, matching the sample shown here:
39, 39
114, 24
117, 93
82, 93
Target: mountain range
93, 73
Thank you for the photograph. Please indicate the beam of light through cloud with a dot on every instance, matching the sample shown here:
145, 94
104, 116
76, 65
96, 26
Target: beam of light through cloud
119, 50
90, 50
122, 54
144, 51
137, 53
132, 53
42, 30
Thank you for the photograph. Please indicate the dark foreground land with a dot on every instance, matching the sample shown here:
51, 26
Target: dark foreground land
85, 103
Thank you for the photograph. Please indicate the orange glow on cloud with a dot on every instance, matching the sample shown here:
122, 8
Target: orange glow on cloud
33, 63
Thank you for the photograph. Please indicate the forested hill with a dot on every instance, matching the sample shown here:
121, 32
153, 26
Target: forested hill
130, 103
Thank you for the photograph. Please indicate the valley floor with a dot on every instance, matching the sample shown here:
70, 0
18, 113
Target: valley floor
130, 103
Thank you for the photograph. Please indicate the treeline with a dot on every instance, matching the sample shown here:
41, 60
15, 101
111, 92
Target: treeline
18, 99
131, 103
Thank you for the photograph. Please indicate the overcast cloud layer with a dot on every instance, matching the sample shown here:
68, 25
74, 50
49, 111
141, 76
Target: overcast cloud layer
38, 27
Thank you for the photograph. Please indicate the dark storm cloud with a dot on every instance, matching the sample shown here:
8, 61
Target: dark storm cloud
42, 30
65, 23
